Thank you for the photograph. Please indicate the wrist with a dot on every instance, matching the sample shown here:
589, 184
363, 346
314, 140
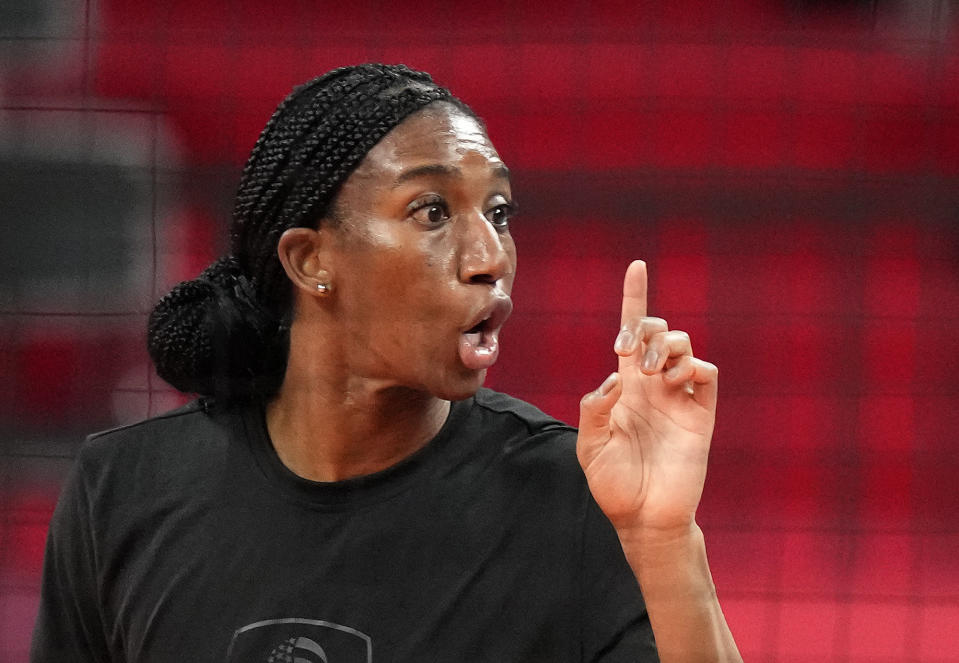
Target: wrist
668, 559
642, 536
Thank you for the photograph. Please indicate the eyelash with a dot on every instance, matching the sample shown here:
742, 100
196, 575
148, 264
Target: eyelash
426, 204
509, 210
432, 202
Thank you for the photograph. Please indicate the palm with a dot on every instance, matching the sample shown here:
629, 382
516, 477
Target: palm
646, 462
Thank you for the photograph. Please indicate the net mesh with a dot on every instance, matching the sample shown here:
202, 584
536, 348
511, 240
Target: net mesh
789, 170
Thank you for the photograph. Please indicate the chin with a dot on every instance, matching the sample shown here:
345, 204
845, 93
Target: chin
462, 387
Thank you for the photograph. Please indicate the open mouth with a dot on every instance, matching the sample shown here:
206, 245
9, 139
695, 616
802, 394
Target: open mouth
475, 334
479, 346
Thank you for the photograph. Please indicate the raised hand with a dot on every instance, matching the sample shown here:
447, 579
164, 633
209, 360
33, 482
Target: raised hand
645, 433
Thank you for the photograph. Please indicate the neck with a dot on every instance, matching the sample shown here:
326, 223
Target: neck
334, 427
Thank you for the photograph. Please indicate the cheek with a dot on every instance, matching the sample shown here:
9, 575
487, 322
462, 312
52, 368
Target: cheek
434, 257
378, 259
509, 280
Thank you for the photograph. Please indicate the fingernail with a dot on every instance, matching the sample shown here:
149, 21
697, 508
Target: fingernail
624, 341
608, 384
650, 360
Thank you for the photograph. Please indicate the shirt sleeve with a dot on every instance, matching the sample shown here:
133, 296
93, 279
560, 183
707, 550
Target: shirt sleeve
615, 625
69, 625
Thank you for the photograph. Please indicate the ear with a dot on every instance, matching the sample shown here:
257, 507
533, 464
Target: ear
299, 250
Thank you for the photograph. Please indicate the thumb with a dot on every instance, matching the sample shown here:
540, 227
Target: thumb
594, 410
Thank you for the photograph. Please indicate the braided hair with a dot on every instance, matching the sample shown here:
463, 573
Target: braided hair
226, 333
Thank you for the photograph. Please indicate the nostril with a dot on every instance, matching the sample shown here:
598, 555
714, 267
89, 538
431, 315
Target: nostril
483, 278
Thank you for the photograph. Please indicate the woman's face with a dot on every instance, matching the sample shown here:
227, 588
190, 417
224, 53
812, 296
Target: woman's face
422, 259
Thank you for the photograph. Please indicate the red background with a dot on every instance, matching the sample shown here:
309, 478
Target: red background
788, 170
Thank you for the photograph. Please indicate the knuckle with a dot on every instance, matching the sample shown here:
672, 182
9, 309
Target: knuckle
632, 324
706, 368
679, 342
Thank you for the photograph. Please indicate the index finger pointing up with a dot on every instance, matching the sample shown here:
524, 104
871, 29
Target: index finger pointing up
634, 293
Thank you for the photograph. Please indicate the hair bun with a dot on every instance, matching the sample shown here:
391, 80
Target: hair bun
221, 334
209, 336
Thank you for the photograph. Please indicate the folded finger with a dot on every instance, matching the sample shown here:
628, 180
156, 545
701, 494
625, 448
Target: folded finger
637, 331
595, 408
665, 346
698, 377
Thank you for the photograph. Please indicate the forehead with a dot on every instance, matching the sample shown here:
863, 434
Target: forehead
437, 134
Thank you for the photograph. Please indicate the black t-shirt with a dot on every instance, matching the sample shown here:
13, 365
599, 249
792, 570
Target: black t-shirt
185, 538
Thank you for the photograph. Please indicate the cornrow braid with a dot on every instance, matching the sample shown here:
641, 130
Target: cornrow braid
308, 150
226, 333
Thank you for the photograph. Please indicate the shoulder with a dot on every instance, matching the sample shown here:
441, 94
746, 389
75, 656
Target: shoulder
186, 413
527, 439
171, 448
520, 414
175, 428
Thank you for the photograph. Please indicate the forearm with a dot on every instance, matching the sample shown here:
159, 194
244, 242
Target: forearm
673, 573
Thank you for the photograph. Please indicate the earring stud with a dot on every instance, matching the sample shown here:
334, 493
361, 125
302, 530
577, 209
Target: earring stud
323, 287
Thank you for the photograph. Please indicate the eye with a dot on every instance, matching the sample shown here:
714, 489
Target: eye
429, 211
500, 215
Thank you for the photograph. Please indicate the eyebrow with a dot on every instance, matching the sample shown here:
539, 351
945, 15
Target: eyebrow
500, 171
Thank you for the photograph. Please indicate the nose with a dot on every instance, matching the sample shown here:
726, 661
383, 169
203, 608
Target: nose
485, 255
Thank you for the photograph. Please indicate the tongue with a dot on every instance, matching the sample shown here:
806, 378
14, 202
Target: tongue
478, 350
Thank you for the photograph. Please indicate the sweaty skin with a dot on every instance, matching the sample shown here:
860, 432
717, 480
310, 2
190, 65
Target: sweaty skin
417, 255
424, 250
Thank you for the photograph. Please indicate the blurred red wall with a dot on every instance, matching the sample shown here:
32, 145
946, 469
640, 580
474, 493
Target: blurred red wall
789, 170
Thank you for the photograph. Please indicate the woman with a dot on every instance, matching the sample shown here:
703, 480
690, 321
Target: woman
345, 490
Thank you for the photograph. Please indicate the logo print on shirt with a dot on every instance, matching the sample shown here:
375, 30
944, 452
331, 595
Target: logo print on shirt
295, 640
290, 650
